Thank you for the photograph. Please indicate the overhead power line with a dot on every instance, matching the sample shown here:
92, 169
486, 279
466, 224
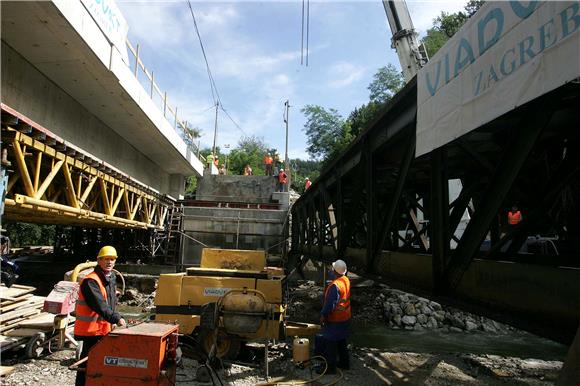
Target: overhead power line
233, 121
214, 90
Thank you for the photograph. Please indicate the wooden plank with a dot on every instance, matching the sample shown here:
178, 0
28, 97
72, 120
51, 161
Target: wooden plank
14, 292
23, 332
4, 318
5, 370
39, 321
33, 301
19, 299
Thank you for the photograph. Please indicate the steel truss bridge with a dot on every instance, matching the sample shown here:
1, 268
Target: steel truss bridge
390, 214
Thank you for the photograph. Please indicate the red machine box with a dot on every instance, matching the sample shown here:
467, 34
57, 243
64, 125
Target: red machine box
142, 355
62, 299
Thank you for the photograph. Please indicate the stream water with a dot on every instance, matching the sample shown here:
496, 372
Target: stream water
515, 344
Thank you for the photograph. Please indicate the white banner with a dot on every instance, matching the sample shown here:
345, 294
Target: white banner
111, 21
507, 54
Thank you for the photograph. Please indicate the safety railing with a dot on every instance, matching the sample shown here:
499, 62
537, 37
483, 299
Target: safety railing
159, 97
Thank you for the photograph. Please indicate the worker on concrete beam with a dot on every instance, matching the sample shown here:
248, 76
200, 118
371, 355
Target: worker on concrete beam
282, 180
95, 308
335, 319
268, 162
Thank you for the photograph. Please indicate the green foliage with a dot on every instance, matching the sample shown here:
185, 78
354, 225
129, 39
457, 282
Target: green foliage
23, 234
326, 132
329, 133
434, 40
363, 116
190, 185
473, 6
386, 82
250, 151
190, 135
302, 169
446, 25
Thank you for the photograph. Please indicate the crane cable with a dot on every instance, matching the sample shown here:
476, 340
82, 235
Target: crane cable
307, 32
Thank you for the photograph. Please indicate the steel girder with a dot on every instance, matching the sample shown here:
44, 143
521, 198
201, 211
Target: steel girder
383, 197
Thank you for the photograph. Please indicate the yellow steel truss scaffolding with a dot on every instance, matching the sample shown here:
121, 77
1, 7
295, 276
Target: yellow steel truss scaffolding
46, 185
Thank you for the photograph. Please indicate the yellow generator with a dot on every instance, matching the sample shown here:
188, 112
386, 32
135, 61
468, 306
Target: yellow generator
232, 294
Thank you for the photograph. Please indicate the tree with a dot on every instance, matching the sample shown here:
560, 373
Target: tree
250, 151
362, 117
447, 24
325, 130
302, 169
386, 82
473, 6
23, 234
190, 134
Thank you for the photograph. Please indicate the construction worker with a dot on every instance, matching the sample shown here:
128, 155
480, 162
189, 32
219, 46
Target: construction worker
282, 180
209, 160
95, 308
268, 161
514, 216
335, 319
307, 184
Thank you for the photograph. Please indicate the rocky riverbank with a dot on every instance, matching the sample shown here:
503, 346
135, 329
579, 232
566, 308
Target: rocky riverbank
375, 303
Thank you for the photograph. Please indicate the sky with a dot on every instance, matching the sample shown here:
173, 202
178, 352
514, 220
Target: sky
254, 53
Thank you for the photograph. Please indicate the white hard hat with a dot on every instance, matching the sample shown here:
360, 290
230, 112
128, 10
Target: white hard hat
281, 170
339, 266
307, 178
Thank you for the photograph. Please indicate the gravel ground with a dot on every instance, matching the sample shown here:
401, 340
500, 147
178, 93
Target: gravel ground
369, 366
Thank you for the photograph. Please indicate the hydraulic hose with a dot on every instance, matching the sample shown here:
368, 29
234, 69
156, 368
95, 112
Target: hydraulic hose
305, 382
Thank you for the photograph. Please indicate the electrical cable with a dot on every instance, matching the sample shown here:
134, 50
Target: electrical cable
207, 363
307, 381
214, 91
232, 119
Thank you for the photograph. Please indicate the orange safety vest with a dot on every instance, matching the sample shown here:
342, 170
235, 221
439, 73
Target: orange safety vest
341, 312
88, 322
268, 160
282, 178
307, 185
514, 218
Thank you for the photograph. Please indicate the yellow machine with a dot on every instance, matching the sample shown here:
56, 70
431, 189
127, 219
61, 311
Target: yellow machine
233, 293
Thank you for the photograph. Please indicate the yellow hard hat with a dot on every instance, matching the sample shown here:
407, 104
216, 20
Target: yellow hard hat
107, 251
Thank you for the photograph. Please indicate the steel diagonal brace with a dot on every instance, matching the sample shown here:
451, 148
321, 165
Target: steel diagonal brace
536, 116
388, 220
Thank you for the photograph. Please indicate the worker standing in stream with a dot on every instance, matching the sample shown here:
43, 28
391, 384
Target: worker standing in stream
335, 319
95, 308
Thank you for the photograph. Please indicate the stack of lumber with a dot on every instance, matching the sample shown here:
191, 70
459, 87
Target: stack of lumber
18, 309
32, 251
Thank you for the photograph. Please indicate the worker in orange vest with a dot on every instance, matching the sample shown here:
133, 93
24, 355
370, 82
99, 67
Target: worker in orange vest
282, 180
95, 308
514, 216
268, 161
307, 184
335, 319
